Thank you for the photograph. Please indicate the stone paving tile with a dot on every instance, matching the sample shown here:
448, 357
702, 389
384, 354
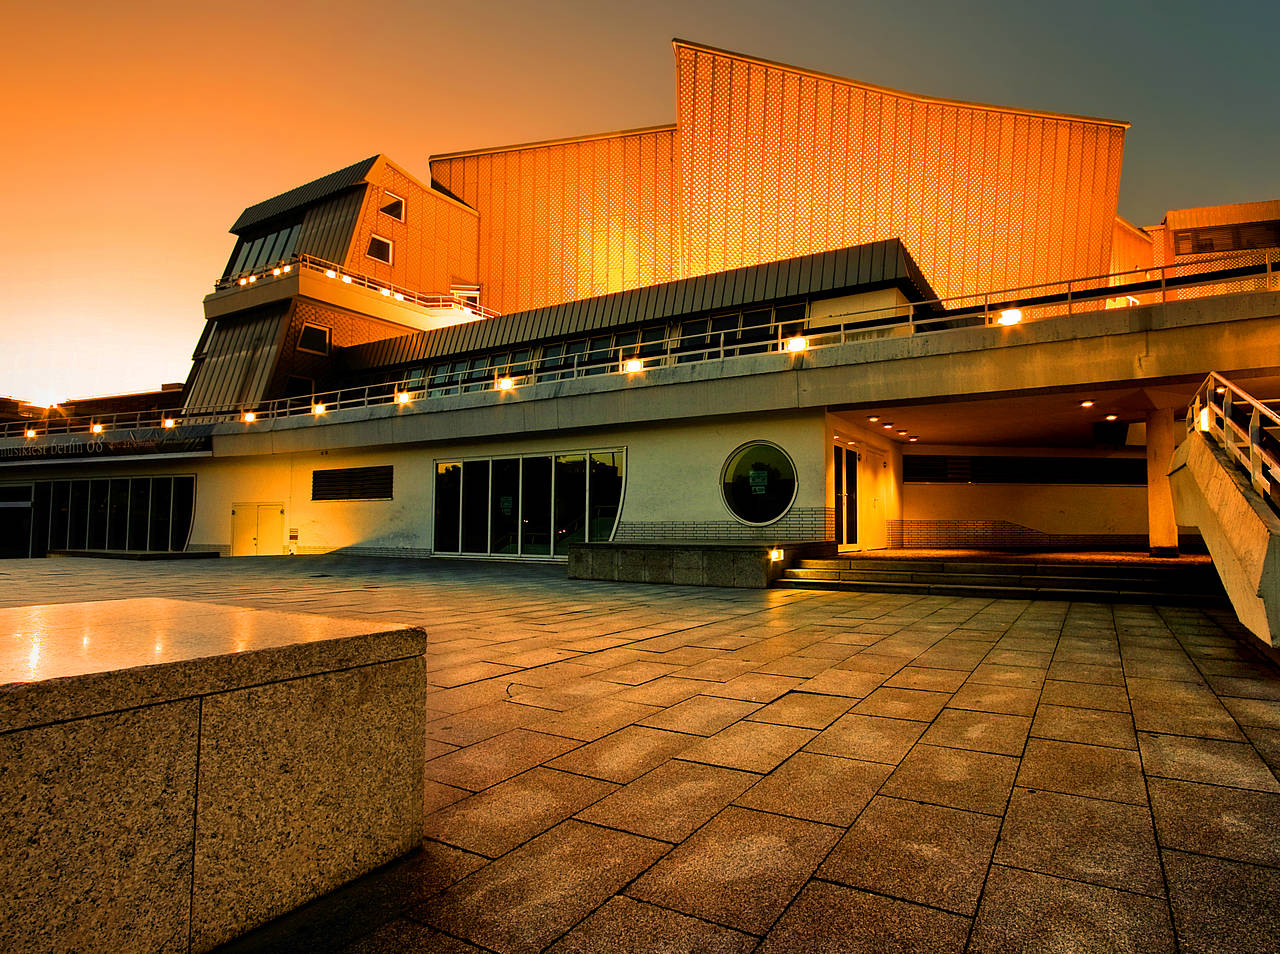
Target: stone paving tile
403, 936
528, 898
741, 869
804, 667
919, 677
498, 819
752, 746
1007, 699
1087, 726
955, 778
636, 673
1206, 720
923, 853
672, 801
483, 722
623, 924
869, 738
494, 760
436, 796
1083, 839
1206, 760
664, 691
832, 919
1024, 911
1091, 770
1267, 742
594, 719
868, 661
1221, 905
980, 731
819, 788
918, 704
701, 715
755, 687
1213, 820
1258, 712
472, 672
1024, 677
1083, 695
624, 755
842, 682
806, 710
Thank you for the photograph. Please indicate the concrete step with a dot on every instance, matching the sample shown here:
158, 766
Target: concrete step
1006, 591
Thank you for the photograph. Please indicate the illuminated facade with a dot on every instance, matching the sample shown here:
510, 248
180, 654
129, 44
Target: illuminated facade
810, 310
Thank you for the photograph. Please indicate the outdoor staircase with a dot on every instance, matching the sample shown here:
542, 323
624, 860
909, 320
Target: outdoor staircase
1137, 581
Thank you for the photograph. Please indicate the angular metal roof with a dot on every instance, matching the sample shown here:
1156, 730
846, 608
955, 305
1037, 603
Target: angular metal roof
859, 268
304, 195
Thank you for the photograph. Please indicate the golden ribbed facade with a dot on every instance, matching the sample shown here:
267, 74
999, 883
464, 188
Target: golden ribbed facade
767, 162
569, 220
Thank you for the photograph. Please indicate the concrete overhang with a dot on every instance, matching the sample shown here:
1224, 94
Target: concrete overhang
1158, 350
317, 286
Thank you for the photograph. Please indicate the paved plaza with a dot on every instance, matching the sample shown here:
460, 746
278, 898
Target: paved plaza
627, 767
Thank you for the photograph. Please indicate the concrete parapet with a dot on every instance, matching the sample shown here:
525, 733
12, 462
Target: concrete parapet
689, 563
173, 774
1239, 528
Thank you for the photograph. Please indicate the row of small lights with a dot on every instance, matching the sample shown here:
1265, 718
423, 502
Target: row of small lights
329, 273
888, 426
97, 428
630, 366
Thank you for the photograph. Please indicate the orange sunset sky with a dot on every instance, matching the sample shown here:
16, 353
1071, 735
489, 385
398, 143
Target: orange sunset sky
136, 132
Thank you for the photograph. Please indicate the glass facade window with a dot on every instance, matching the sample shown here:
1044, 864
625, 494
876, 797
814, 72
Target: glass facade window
112, 514
758, 482
527, 506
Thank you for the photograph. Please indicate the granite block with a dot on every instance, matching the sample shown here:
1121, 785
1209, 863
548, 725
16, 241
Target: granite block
1221, 905
96, 832
687, 567
657, 566
718, 568
304, 785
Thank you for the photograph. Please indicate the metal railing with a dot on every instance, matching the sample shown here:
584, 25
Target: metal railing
337, 273
788, 338
1248, 429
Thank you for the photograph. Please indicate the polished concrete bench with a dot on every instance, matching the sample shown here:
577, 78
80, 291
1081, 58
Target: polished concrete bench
173, 774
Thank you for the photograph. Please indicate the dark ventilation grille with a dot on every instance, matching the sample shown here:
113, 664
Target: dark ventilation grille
1226, 238
927, 468
352, 483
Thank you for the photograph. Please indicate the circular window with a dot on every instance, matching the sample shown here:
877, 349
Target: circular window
759, 482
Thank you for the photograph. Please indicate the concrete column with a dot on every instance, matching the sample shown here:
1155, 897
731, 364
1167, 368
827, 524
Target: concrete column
1162, 525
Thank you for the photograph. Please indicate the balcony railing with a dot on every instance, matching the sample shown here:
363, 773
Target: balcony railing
1247, 428
337, 273
787, 339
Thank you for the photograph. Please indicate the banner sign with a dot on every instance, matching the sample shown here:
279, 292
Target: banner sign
137, 442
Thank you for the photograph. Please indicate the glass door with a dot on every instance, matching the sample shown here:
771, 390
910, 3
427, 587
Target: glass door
846, 495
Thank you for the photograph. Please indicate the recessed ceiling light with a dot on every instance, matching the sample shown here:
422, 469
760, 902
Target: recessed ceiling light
873, 419
1086, 404
1112, 417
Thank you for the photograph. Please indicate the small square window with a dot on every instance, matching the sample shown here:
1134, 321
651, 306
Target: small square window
393, 206
380, 249
314, 338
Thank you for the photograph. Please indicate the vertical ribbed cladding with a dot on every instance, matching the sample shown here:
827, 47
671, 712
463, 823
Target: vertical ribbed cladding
984, 196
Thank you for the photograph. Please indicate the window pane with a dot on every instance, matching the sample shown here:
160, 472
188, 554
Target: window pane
59, 515
118, 516
98, 514
606, 494
759, 482
504, 511
475, 506
161, 499
570, 502
139, 509
448, 484
184, 498
78, 522
535, 506
40, 518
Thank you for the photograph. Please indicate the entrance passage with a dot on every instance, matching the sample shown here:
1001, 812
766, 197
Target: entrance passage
846, 503
257, 529
527, 506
